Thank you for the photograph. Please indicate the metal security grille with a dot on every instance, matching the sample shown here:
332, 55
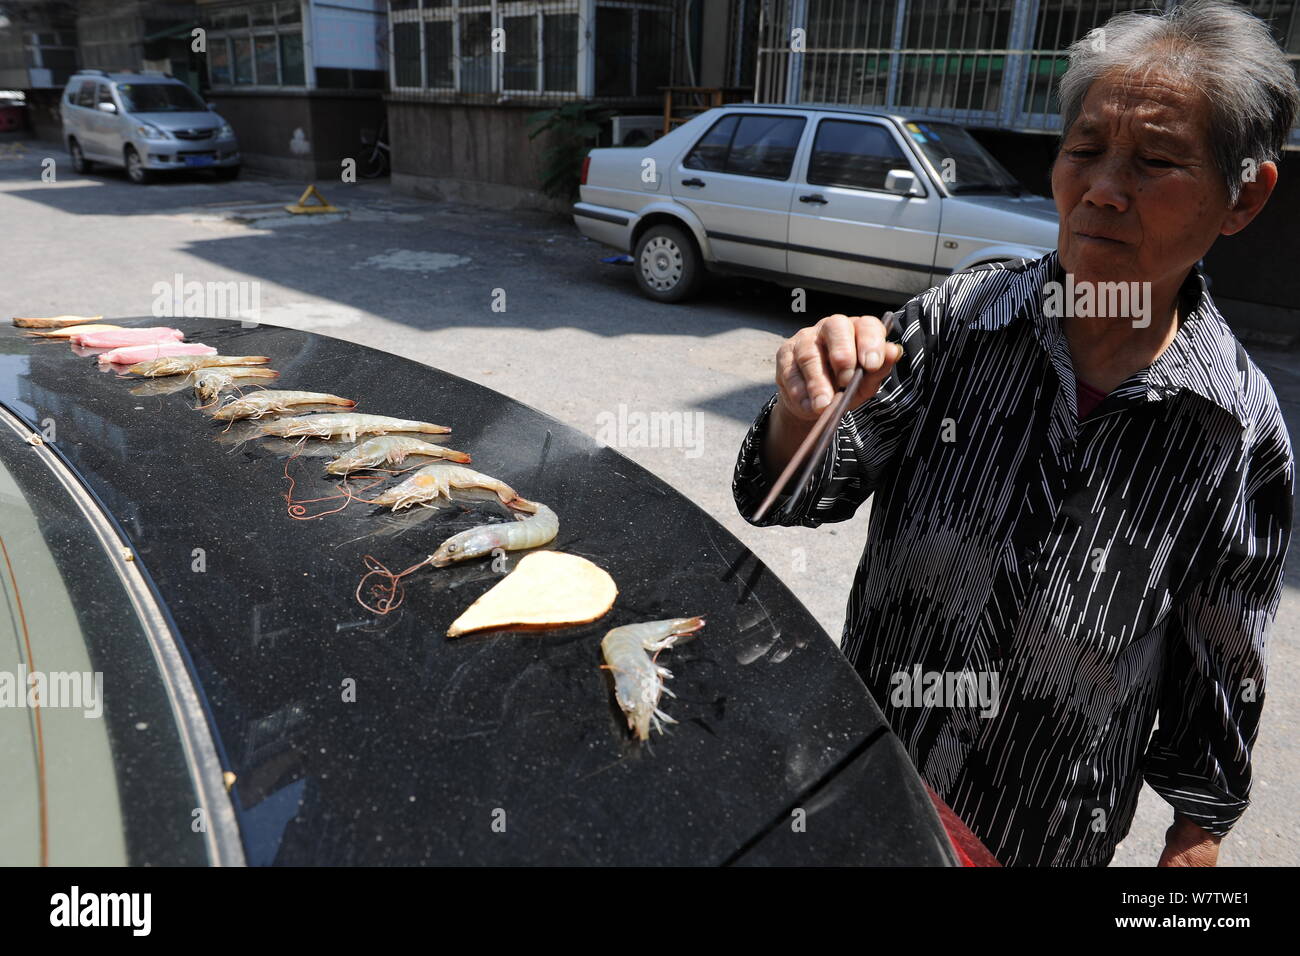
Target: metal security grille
533, 50
742, 30
1057, 24
993, 63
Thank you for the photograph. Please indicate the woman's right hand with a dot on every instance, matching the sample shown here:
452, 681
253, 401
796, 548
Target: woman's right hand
816, 362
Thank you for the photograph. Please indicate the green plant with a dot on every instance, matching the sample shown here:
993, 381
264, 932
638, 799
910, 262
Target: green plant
574, 128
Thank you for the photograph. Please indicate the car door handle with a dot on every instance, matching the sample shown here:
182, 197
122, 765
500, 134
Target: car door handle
816, 198
695, 181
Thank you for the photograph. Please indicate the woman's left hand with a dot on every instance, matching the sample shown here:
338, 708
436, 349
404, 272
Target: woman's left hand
1186, 844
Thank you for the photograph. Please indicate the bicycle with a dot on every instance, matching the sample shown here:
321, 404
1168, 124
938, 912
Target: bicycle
377, 160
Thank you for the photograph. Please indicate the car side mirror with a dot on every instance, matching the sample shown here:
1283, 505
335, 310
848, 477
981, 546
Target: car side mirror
108, 107
902, 182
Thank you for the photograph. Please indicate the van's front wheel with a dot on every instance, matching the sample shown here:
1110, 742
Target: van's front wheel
135, 170
80, 164
667, 264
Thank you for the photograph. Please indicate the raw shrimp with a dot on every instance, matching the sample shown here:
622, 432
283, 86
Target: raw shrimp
346, 425
390, 450
631, 655
159, 386
210, 383
69, 331
527, 532
274, 401
437, 480
137, 354
184, 364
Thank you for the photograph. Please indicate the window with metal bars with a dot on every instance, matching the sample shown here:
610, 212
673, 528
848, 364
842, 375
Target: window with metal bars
485, 47
992, 63
257, 44
544, 49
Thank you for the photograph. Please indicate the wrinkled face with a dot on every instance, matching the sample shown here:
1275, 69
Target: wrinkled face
1135, 184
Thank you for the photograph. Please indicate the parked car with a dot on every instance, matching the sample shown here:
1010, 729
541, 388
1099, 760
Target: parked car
145, 123
253, 711
840, 199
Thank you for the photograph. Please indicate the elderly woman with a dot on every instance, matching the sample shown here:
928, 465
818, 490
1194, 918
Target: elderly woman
1086, 511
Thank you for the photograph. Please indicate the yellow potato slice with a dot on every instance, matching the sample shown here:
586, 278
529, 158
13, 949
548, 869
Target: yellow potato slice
546, 589
54, 321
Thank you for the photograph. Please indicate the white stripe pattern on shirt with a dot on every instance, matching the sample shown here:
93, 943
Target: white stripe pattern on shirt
1109, 571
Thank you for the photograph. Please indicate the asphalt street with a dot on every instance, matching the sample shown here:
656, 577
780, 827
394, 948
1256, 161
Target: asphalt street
520, 302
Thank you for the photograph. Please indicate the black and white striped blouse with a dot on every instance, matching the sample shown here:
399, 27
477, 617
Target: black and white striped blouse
1105, 573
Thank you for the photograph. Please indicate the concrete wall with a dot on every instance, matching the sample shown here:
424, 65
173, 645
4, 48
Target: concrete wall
300, 134
43, 115
468, 153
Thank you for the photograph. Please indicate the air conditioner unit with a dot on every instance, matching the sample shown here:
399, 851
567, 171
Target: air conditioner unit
636, 130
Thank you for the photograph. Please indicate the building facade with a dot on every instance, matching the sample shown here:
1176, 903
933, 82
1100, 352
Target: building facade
300, 81
38, 44
990, 64
466, 77
993, 66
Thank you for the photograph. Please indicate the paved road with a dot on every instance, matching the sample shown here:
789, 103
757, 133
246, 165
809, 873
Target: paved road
521, 303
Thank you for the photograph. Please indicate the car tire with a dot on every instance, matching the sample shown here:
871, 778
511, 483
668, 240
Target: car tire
227, 172
80, 164
667, 264
135, 170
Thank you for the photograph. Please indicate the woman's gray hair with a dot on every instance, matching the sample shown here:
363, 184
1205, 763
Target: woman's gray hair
1222, 49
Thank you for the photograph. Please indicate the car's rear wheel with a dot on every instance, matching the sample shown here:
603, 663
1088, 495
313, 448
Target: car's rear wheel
668, 266
80, 164
135, 170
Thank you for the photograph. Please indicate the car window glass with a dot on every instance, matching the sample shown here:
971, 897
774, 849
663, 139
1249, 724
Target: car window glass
86, 95
74, 90
711, 151
105, 94
765, 146
858, 155
966, 165
159, 98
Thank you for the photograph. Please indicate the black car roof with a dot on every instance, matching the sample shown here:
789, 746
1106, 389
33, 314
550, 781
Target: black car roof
442, 736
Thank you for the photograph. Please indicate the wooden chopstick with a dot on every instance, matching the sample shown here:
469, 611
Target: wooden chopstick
818, 439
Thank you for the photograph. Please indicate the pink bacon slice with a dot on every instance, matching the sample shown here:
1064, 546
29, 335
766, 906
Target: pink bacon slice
120, 338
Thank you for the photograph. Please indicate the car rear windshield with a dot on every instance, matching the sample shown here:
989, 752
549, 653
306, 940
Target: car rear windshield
159, 98
962, 163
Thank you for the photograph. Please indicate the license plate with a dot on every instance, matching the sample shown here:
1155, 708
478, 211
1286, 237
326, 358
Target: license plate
198, 160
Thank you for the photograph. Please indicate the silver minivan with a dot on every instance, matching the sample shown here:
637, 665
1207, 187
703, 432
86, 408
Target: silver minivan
834, 198
144, 123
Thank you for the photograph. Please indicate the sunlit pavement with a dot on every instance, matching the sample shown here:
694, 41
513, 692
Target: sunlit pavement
421, 278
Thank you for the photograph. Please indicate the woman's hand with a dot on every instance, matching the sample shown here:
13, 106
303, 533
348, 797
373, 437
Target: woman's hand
817, 361
811, 366
1186, 844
